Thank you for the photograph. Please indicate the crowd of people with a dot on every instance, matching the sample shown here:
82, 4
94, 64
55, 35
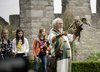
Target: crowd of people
49, 49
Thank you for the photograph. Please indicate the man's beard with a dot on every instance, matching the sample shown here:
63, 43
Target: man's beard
60, 30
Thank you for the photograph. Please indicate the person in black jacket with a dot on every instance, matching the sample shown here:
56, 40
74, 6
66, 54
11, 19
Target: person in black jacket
5, 46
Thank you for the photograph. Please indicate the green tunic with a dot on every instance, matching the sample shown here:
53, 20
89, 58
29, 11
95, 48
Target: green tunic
62, 44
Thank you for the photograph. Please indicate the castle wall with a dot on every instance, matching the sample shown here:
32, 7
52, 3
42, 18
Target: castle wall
35, 14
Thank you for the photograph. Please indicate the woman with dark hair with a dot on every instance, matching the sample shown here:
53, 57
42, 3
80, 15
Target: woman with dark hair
20, 44
40, 50
5, 46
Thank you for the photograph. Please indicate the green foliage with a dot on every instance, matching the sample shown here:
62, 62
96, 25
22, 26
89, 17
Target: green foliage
74, 51
31, 62
85, 67
68, 19
93, 66
31, 65
94, 57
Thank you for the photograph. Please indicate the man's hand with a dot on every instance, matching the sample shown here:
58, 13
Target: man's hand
64, 33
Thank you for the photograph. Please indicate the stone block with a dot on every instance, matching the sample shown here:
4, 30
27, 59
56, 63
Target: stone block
39, 2
14, 21
86, 4
36, 25
37, 13
26, 25
81, 11
25, 20
45, 19
49, 14
28, 13
49, 8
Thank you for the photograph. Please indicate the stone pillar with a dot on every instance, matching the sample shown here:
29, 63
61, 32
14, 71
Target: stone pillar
14, 21
98, 7
79, 7
97, 15
35, 14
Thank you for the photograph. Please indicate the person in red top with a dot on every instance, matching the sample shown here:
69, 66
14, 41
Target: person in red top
40, 50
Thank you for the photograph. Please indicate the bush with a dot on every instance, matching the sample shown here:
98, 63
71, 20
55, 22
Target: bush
31, 62
78, 66
31, 65
85, 67
94, 57
68, 18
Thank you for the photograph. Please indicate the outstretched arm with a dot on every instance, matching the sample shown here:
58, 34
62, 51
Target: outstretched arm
58, 36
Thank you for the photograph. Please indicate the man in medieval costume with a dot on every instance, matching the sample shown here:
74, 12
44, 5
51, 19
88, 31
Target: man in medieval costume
60, 46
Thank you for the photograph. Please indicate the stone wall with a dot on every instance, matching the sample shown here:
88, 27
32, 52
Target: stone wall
3, 22
14, 21
88, 43
98, 7
96, 16
35, 14
79, 7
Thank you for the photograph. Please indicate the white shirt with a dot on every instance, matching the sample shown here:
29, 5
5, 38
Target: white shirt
24, 47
